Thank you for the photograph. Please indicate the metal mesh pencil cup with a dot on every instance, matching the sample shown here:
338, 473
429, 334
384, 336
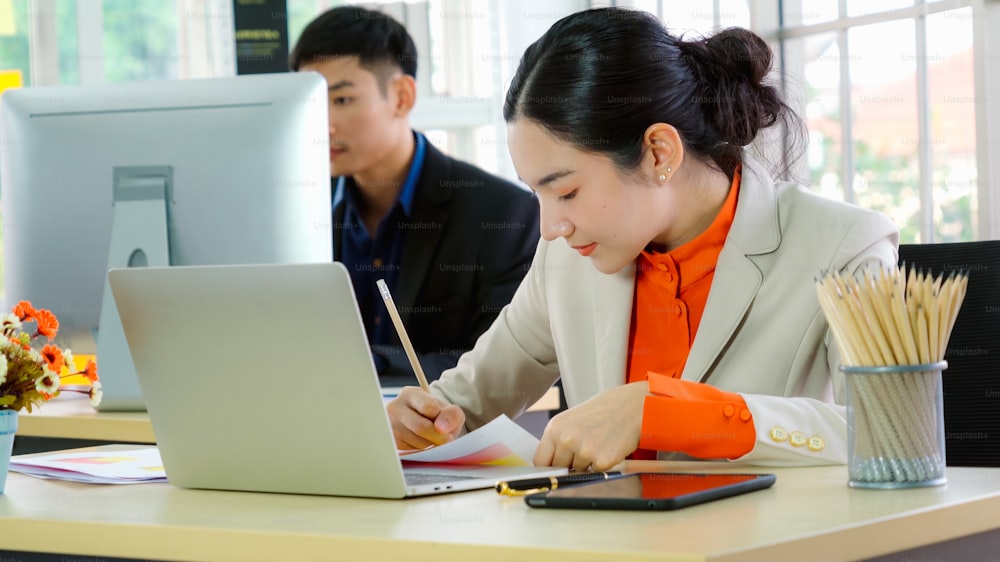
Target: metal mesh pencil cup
895, 426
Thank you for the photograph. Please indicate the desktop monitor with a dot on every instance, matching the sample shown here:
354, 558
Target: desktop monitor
184, 172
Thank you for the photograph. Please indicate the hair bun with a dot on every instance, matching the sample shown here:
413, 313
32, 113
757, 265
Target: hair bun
740, 52
731, 67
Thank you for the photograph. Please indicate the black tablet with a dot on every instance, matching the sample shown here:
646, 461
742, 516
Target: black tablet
651, 491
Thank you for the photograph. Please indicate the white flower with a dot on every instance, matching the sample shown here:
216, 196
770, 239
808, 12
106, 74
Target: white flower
47, 383
3, 368
10, 322
96, 394
68, 361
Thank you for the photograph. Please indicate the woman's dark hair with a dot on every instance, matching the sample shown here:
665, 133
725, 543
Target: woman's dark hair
598, 78
380, 42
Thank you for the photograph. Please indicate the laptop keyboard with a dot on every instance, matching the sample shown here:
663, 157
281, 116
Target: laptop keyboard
421, 478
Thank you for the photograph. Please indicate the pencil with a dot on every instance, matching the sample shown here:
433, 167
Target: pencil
398, 323
901, 316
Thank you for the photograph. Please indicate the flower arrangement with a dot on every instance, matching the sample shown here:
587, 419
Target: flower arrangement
30, 377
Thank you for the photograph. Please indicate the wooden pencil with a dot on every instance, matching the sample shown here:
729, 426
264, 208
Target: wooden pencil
894, 317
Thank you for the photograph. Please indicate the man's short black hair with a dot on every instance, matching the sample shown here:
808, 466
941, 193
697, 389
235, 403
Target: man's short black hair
381, 43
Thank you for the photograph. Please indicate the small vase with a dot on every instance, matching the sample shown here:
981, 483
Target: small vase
8, 426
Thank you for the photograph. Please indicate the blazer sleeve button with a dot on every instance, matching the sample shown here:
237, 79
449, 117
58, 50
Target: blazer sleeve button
815, 443
796, 439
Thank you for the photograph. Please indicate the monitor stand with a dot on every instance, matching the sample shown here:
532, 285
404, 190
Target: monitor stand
138, 239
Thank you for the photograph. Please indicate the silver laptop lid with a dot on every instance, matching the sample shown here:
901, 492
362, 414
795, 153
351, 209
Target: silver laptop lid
259, 378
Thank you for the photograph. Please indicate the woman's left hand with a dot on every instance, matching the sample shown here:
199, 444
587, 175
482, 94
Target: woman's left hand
597, 434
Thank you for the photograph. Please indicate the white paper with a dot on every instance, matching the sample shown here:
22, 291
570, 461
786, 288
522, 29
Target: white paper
105, 467
500, 442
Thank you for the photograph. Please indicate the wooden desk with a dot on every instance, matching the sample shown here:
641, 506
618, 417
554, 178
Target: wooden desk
810, 514
74, 418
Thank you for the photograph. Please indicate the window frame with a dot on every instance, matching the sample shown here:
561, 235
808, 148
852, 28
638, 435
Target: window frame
986, 68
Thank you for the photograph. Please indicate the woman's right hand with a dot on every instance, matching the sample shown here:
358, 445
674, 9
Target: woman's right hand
419, 419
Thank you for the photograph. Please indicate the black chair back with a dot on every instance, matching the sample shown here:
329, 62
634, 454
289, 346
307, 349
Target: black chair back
972, 380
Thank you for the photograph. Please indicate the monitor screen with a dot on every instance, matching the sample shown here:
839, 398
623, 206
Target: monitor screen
194, 172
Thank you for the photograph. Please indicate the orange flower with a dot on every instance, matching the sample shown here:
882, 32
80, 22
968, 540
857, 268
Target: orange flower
53, 357
24, 310
37, 373
48, 325
90, 371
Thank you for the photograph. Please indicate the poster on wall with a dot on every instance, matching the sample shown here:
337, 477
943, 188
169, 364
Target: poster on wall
261, 36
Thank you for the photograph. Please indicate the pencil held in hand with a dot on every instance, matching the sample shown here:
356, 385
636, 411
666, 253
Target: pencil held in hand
405, 339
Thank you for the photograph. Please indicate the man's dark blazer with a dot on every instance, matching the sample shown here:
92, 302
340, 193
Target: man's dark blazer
468, 244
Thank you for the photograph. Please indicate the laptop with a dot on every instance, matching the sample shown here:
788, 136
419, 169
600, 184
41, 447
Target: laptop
259, 378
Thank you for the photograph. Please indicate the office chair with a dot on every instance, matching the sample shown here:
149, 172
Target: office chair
972, 380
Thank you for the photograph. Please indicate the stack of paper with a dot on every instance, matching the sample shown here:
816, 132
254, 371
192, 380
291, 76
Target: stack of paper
113, 467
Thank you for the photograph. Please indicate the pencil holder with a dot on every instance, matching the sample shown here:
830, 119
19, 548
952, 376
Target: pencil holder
895, 426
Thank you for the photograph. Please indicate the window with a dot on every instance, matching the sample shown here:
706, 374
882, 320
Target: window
16, 46
74, 42
141, 39
888, 93
696, 16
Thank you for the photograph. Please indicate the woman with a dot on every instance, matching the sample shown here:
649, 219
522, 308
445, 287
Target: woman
679, 309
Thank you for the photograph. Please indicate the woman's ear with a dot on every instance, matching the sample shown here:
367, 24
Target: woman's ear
662, 143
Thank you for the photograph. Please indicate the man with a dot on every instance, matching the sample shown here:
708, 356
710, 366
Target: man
451, 241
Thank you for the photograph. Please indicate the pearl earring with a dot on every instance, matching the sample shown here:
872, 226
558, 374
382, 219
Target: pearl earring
663, 177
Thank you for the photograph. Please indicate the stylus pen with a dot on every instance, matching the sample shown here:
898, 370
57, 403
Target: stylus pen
398, 323
547, 484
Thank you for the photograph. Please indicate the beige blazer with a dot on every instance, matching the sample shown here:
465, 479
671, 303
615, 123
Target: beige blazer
762, 333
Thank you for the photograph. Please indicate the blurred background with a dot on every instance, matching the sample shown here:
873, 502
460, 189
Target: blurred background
895, 93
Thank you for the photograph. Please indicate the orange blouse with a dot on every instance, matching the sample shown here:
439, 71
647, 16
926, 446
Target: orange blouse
671, 290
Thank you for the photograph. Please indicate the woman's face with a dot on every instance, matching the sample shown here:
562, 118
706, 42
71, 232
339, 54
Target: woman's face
583, 198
